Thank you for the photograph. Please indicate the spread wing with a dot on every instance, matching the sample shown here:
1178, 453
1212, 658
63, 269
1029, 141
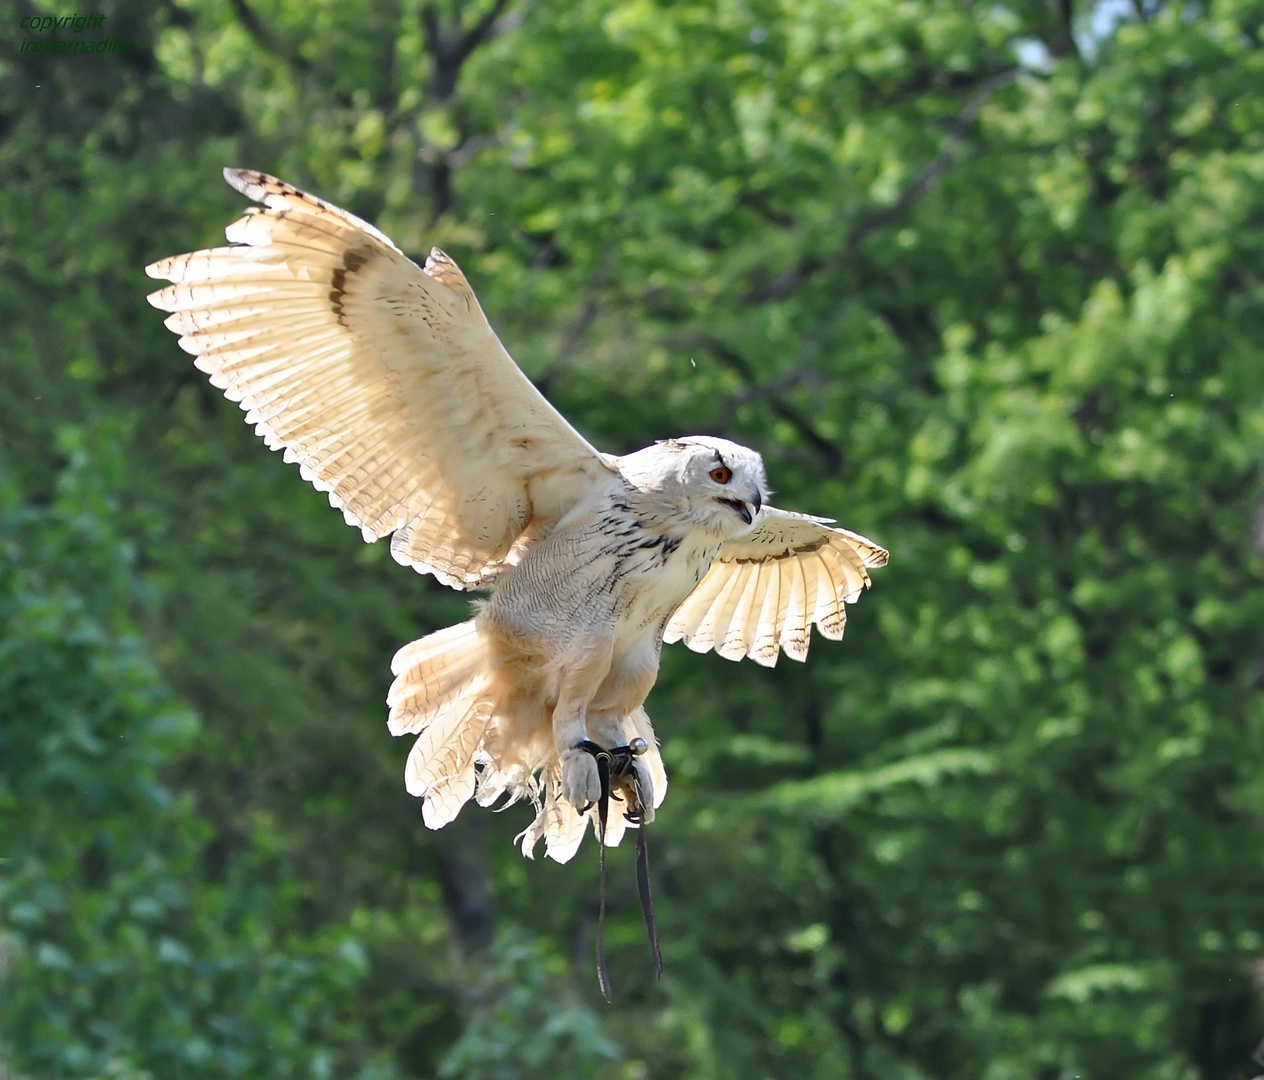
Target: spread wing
382, 379
765, 590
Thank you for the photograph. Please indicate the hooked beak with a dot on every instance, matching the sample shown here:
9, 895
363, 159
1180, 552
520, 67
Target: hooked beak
746, 510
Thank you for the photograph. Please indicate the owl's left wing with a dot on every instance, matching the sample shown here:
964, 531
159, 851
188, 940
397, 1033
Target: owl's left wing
382, 379
765, 590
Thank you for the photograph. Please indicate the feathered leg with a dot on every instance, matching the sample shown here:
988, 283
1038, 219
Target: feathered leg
584, 671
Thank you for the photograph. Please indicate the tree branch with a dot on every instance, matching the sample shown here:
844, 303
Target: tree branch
481, 30
449, 49
265, 39
867, 223
1064, 44
465, 882
830, 456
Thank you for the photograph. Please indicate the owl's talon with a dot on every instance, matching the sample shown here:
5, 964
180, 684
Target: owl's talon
628, 777
581, 784
643, 788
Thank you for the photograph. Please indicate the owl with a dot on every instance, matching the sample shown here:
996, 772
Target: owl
385, 383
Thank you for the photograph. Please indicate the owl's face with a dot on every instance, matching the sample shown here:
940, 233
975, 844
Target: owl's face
701, 482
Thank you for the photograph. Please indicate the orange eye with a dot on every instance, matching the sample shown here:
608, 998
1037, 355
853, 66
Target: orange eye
722, 475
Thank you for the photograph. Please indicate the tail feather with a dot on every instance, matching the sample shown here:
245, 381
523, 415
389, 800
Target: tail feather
432, 674
557, 823
453, 770
440, 692
445, 752
616, 825
444, 799
497, 779
638, 724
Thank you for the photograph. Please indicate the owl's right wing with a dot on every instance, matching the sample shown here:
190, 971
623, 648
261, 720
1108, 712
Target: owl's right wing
382, 379
765, 590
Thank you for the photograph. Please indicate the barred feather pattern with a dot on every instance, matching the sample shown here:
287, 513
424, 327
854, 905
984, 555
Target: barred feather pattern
766, 590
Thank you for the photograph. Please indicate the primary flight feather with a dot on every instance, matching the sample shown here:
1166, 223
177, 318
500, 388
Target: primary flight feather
385, 382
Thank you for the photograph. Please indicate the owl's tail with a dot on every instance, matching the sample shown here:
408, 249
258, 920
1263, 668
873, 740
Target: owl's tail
483, 730
441, 694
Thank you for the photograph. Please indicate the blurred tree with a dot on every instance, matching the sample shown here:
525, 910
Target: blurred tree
118, 958
984, 282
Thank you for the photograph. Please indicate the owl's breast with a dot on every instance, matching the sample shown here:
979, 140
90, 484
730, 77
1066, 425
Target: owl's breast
654, 580
600, 572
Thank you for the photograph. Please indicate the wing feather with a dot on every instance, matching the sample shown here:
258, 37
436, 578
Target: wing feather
794, 632
802, 631
739, 634
830, 583
766, 590
766, 631
383, 380
718, 612
687, 618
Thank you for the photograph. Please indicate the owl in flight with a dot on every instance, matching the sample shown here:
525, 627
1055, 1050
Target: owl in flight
384, 381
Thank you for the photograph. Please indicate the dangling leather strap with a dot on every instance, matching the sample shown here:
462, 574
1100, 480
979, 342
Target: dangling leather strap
603, 814
647, 898
617, 762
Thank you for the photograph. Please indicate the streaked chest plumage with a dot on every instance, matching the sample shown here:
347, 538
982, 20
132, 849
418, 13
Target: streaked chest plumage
603, 570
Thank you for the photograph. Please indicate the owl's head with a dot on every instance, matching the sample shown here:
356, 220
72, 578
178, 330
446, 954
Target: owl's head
699, 482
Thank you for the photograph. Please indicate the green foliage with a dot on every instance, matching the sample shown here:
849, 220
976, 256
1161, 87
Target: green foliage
520, 1026
1003, 316
120, 958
